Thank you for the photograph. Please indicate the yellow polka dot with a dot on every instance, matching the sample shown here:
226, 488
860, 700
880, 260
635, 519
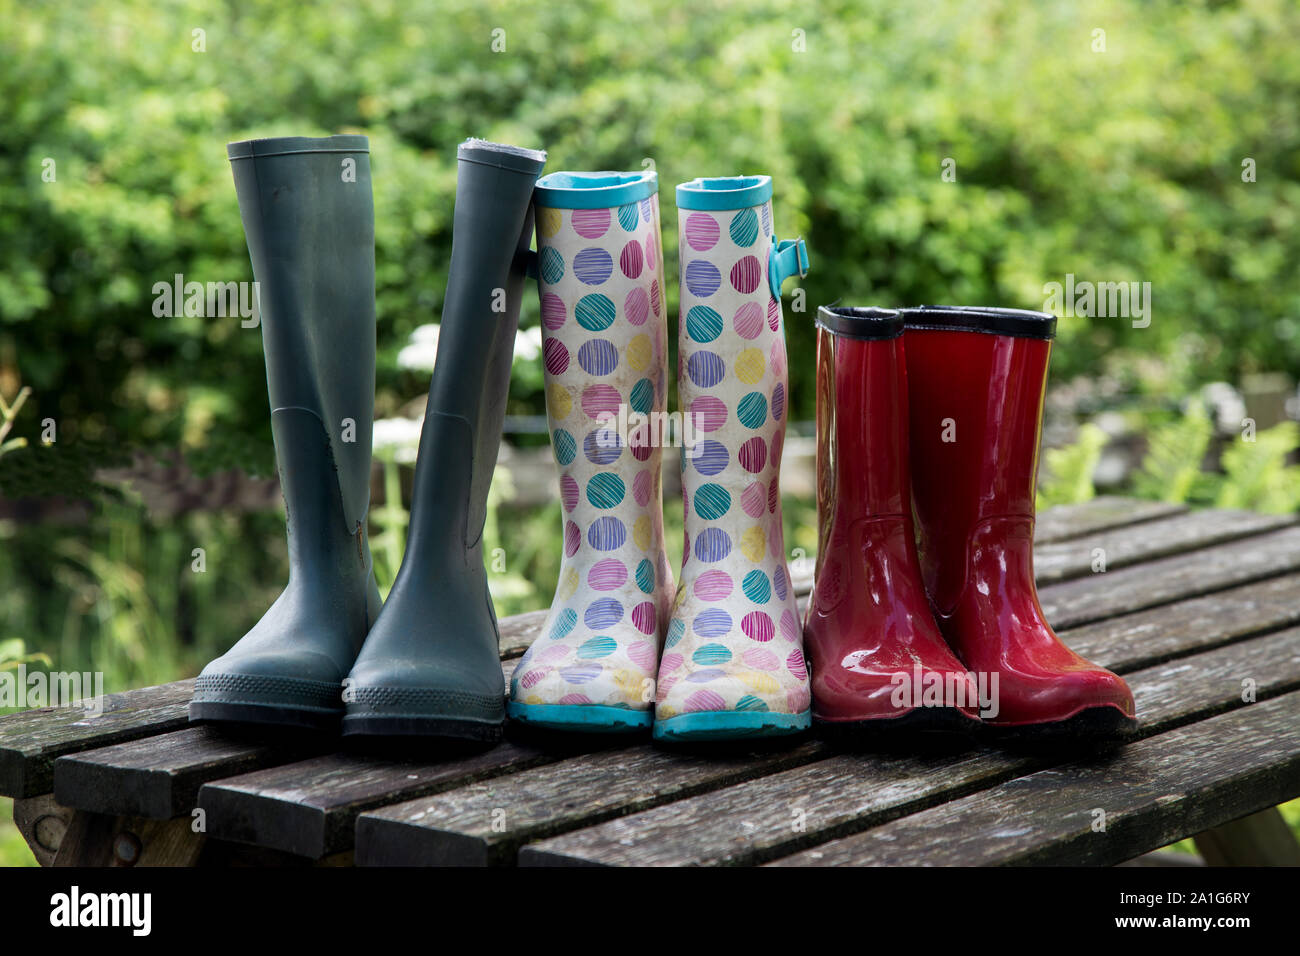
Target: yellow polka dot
639, 351
548, 222
753, 543
568, 584
559, 400
641, 533
760, 682
750, 366
533, 699
663, 712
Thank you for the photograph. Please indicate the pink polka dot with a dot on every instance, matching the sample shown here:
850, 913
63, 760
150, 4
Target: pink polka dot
556, 652
748, 321
751, 499
642, 452
778, 358
568, 492
607, 575
670, 663
773, 495
600, 398
773, 314
789, 627
795, 664
641, 486
701, 231
643, 616
556, 356
745, 274
713, 585
703, 700
651, 252
553, 311
761, 659
572, 538
534, 677
590, 223
631, 260
575, 700
708, 413
778, 442
654, 296
637, 306
758, 627
642, 654
753, 455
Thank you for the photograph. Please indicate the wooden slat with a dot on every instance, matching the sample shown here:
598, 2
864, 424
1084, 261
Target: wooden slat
1155, 792
1122, 547
519, 631
31, 741
485, 823
1097, 597
1099, 514
1162, 633
310, 808
159, 777
755, 821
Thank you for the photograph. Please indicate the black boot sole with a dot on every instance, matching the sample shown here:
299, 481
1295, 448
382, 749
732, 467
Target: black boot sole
445, 728
921, 729
277, 715
1097, 728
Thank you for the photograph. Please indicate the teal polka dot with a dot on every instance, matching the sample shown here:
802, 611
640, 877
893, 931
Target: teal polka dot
744, 227
605, 490
641, 396
676, 631
597, 647
628, 217
552, 265
711, 654
595, 312
757, 587
703, 324
750, 702
566, 446
645, 576
752, 410
564, 622
712, 502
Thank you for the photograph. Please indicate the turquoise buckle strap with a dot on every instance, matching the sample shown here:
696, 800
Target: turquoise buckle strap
789, 258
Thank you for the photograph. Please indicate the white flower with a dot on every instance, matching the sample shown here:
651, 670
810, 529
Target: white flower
528, 344
422, 350
398, 438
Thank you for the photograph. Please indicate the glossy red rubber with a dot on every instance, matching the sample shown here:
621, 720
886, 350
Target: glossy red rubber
976, 402
869, 631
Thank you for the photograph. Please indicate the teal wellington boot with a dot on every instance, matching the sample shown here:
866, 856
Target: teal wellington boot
309, 220
430, 665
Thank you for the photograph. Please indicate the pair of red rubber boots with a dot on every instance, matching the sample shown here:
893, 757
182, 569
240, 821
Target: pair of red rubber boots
928, 420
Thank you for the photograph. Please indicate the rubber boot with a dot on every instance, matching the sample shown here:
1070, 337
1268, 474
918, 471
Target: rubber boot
976, 380
604, 339
309, 220
879, 661
430, 665
733, 663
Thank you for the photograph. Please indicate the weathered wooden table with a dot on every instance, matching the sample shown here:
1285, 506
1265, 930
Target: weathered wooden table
1200, 611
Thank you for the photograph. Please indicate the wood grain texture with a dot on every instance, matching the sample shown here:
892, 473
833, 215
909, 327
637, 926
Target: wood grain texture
1153, 793
1155, 583
32, 740
1129, 545
1099, 514
485, 823
310, 808
159, 777
753, 822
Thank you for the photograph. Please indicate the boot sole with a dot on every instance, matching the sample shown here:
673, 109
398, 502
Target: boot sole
582, 718
279, 715
1093, 727
412, 725
730, 725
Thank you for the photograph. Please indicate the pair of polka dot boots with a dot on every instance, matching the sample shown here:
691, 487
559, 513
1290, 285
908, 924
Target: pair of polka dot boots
723, 658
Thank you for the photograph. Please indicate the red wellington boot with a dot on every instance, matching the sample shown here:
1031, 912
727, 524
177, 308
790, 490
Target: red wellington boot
879, 661
976, 379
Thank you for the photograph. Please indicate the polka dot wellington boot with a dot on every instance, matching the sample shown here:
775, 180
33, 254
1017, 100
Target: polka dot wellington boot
604, 343
733, 663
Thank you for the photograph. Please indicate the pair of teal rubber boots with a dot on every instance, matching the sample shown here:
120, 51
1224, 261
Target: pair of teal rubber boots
717, 657
325, 654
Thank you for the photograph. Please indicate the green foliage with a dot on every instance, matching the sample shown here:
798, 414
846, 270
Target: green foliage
1171, 470
1070, 469
1256, 473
